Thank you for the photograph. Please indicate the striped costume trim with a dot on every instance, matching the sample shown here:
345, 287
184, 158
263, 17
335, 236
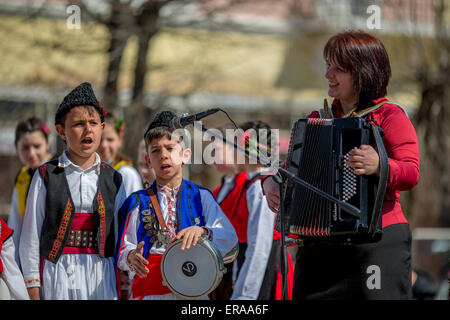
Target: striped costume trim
61, 231
102, 214
43, 170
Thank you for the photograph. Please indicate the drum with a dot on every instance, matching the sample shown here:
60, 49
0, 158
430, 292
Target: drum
192, 273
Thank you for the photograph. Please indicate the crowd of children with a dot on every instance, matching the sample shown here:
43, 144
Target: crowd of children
86, 225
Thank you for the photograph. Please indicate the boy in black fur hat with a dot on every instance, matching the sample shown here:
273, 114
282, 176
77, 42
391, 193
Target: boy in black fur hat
70, 225
188, 210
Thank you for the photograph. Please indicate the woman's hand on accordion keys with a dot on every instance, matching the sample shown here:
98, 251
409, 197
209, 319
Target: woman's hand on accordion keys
364, 160
272, 192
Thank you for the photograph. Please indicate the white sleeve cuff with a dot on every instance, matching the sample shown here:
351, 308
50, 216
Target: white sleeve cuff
33, 281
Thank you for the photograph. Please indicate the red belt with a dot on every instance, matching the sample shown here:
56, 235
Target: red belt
152, 283
83, 225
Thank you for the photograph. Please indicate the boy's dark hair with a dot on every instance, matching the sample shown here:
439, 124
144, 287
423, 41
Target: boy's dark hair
157, 133
83, 95
31, 125
160, 127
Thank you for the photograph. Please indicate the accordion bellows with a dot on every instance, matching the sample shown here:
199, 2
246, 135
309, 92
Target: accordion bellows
318, 151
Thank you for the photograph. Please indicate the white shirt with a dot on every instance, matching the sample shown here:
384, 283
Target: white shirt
11, 273
83, 186
131, 179
227, 187
224, 235
259, 244
15, 221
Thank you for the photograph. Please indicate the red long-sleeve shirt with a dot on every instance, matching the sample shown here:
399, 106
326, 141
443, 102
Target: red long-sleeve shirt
402, 148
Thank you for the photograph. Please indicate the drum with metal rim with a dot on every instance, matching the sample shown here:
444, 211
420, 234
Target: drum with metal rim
192, 273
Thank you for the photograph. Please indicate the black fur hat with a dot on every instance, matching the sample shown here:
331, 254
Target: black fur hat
83, 95
162, 119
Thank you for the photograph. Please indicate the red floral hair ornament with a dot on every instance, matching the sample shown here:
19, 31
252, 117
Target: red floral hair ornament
101, 106
45, 129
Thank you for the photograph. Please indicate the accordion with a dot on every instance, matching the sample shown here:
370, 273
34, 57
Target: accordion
318, 151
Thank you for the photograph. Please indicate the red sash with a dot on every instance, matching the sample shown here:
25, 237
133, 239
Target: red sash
152, 283
230, 206
235, 206
84, 222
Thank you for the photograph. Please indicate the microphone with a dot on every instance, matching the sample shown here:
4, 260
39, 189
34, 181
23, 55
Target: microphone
184, 121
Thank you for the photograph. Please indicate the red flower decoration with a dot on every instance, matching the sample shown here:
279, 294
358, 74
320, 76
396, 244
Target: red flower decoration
45, 129
101, 106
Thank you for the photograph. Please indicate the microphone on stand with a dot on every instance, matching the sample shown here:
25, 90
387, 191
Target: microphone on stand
184, 121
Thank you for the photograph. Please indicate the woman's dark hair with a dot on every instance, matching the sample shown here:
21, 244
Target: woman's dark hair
31, 125
365, 57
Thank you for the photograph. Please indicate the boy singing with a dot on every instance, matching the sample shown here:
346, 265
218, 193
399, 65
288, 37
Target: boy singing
68, 237
189, 211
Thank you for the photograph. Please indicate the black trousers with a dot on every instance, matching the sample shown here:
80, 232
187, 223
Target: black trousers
379, 271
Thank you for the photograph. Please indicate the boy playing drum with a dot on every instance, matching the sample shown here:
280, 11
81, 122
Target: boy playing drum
189, 211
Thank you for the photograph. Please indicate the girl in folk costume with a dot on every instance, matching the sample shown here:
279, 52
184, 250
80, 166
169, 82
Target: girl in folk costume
31, 141
258, 272
12, 285
112, 139
189, 211
69, 230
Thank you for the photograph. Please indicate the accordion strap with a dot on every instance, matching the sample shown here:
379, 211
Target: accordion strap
366, 111
383, 178
326, 112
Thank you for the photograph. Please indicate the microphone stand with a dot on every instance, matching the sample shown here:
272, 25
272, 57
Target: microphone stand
350, 209
283, 256
280, 180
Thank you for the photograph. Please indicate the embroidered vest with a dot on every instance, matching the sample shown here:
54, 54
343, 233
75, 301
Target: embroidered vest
23, 181
230, 205
60, 210
235, 205
5, 233
188, 212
